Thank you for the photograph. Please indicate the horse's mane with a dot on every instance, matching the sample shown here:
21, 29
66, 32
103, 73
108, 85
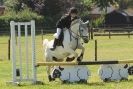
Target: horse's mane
74, 22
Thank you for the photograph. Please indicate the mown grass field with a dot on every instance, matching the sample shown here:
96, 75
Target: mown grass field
116, 48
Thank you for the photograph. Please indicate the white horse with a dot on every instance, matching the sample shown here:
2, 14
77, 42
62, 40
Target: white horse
71, 42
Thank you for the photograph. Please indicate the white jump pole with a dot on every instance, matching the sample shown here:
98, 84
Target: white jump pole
13, 51
20, 51
26, 45
33, 51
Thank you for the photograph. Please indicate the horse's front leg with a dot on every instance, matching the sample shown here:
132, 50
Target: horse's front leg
71, 51
82, 52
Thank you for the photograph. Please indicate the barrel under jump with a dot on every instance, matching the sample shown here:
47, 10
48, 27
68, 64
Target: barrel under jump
74, 71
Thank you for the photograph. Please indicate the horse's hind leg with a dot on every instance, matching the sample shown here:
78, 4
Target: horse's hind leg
70, 59
71, 52
80, 57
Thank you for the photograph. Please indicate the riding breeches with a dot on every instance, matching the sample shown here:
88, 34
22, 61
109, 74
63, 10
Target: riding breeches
57, 34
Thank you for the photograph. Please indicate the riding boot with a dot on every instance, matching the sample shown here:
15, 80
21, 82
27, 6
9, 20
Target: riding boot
54, 45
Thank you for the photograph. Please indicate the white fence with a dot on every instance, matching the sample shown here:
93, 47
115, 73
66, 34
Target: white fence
23, 58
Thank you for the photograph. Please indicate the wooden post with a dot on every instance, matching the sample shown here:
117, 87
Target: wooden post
16, 37
95, 50
9, 49
91, 33
109, 35
128, 34
42, 35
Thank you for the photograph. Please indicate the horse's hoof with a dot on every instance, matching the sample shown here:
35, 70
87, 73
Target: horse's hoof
78, 59
65, 81
50, 78
123, 79
106, 80
83, 81
70, 59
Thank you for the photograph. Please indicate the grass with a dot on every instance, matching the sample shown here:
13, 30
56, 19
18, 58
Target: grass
3, 46
119, 48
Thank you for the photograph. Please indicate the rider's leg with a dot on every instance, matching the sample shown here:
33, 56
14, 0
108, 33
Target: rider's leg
56, 39
54, 44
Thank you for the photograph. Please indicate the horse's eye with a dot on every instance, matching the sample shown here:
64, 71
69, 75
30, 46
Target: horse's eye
81, 30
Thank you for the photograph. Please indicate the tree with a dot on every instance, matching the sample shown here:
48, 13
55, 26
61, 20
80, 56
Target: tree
52, 7
124, 4
103, 4
85, 6
1, 2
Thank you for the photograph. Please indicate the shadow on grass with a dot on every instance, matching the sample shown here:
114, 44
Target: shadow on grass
96, 84
129, 80
88, 84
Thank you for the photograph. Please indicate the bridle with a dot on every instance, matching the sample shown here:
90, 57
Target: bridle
79, 35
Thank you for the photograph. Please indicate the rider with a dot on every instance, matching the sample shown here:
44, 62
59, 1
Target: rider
64, 22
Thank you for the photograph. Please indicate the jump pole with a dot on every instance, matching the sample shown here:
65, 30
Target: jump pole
83, 63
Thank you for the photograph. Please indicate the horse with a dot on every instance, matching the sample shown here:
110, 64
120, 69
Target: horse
71, 42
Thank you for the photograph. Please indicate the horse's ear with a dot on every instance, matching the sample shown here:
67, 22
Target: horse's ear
86, 22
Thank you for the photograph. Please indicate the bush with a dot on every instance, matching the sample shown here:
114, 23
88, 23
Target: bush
97, 22
24, 15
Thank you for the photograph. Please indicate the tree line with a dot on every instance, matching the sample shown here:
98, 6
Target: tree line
52, 10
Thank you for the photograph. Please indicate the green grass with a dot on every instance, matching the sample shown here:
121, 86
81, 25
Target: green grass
3, 47
119, 48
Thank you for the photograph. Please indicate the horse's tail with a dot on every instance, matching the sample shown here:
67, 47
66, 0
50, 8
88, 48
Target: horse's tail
45, 42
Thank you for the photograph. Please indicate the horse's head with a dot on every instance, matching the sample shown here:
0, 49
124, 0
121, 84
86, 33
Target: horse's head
80, 28
83, 30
